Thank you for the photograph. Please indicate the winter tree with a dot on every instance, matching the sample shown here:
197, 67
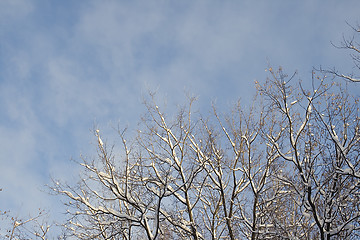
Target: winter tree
16, 228
285, 168
318, 141
353, 46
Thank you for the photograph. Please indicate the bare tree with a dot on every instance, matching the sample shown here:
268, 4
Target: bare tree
29, 228
319, 141
248, 191
155, 190
285, 168
353, 45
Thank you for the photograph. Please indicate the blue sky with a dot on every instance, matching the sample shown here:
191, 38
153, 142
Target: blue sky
67, 65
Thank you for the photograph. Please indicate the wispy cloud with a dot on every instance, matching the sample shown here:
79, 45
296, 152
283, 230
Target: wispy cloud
65, 66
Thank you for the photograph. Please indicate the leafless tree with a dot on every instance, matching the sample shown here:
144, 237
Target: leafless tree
244, 173
285, 168
319, 141
16, 228
353, 45
182, 177
153, 193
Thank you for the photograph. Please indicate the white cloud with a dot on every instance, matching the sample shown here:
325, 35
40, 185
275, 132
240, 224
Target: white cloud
57, 78
20, 147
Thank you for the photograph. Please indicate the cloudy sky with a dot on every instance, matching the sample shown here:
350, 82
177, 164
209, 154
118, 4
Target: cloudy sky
67, 66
